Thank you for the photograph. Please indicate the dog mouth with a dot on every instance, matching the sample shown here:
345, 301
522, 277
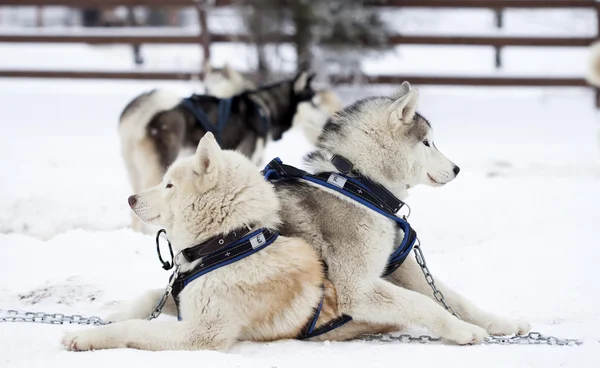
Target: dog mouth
434, 181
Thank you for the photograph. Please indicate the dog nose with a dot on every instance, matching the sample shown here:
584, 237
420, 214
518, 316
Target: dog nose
456, 170
132, 200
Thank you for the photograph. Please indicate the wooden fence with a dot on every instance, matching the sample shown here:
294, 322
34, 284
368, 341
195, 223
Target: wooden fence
204, 39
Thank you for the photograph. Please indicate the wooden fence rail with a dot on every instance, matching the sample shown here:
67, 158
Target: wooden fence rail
205, 39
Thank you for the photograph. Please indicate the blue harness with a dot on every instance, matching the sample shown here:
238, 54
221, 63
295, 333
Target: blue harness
360, 189
227, 249
363, 191
223, 114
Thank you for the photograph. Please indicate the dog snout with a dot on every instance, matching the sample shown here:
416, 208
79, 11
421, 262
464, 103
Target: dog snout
132, 200
456, 170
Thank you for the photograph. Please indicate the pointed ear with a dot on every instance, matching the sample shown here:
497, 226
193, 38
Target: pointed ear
301, 81
402, 90
403, 110
208, 155
310, 78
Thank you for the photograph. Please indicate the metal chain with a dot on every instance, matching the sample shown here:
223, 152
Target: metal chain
532, 338
438, 295
49, 318
163, 299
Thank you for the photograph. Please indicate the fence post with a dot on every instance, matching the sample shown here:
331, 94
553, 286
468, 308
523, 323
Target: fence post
39, 16
499, 16
201, 8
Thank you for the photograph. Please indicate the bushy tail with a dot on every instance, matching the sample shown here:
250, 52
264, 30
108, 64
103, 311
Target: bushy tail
593, 74
138, 113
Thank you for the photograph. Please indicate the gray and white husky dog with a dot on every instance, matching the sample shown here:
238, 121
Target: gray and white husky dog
388, 142
156, 127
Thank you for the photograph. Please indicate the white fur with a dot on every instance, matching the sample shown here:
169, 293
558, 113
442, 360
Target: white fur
225, 83
268, 295
388, 142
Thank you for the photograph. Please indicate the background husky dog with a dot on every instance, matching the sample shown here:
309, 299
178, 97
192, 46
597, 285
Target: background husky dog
311, 115
225, 82
390, 143
269, 295
155, 128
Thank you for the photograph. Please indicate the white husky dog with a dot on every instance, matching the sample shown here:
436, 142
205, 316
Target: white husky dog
386, 141
269, 295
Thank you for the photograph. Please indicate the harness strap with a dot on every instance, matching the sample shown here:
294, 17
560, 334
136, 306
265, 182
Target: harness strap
310, 326
223, 114
199, 114
356, 189
231, 253
330, 326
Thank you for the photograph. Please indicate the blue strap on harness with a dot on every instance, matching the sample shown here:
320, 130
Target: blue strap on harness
223, 113
354, 189
229, 254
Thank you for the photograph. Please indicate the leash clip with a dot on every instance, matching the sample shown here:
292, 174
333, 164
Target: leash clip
165, 265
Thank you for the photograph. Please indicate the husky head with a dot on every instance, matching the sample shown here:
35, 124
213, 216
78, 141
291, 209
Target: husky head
387, 140
225, 82
210, 193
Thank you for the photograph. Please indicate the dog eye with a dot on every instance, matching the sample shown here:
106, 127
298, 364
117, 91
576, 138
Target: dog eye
169, 185
426, 142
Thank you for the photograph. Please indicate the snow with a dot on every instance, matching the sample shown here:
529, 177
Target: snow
516, 232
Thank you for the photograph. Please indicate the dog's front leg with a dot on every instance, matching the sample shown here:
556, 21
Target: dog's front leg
383, 303
141, 307
410, 276
152, 335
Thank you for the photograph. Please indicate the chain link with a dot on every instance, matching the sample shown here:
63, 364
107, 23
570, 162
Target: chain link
49, 318
437, 294
163, 299
532, 338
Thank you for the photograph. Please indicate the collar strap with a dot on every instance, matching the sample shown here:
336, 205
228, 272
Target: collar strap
213, 245
230, 253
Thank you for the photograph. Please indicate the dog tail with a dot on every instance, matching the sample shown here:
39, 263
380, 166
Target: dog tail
593, 75
140, 111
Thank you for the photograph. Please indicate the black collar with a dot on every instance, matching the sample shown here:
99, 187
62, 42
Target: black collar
213, 245
391, 203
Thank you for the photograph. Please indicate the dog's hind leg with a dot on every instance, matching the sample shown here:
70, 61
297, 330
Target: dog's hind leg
153, 335
410, 276
141, 307
381, 302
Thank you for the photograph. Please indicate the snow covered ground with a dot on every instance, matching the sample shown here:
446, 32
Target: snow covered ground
517, 231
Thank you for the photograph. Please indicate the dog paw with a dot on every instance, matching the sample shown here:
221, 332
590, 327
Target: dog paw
463, 333
85, 340
505, 326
